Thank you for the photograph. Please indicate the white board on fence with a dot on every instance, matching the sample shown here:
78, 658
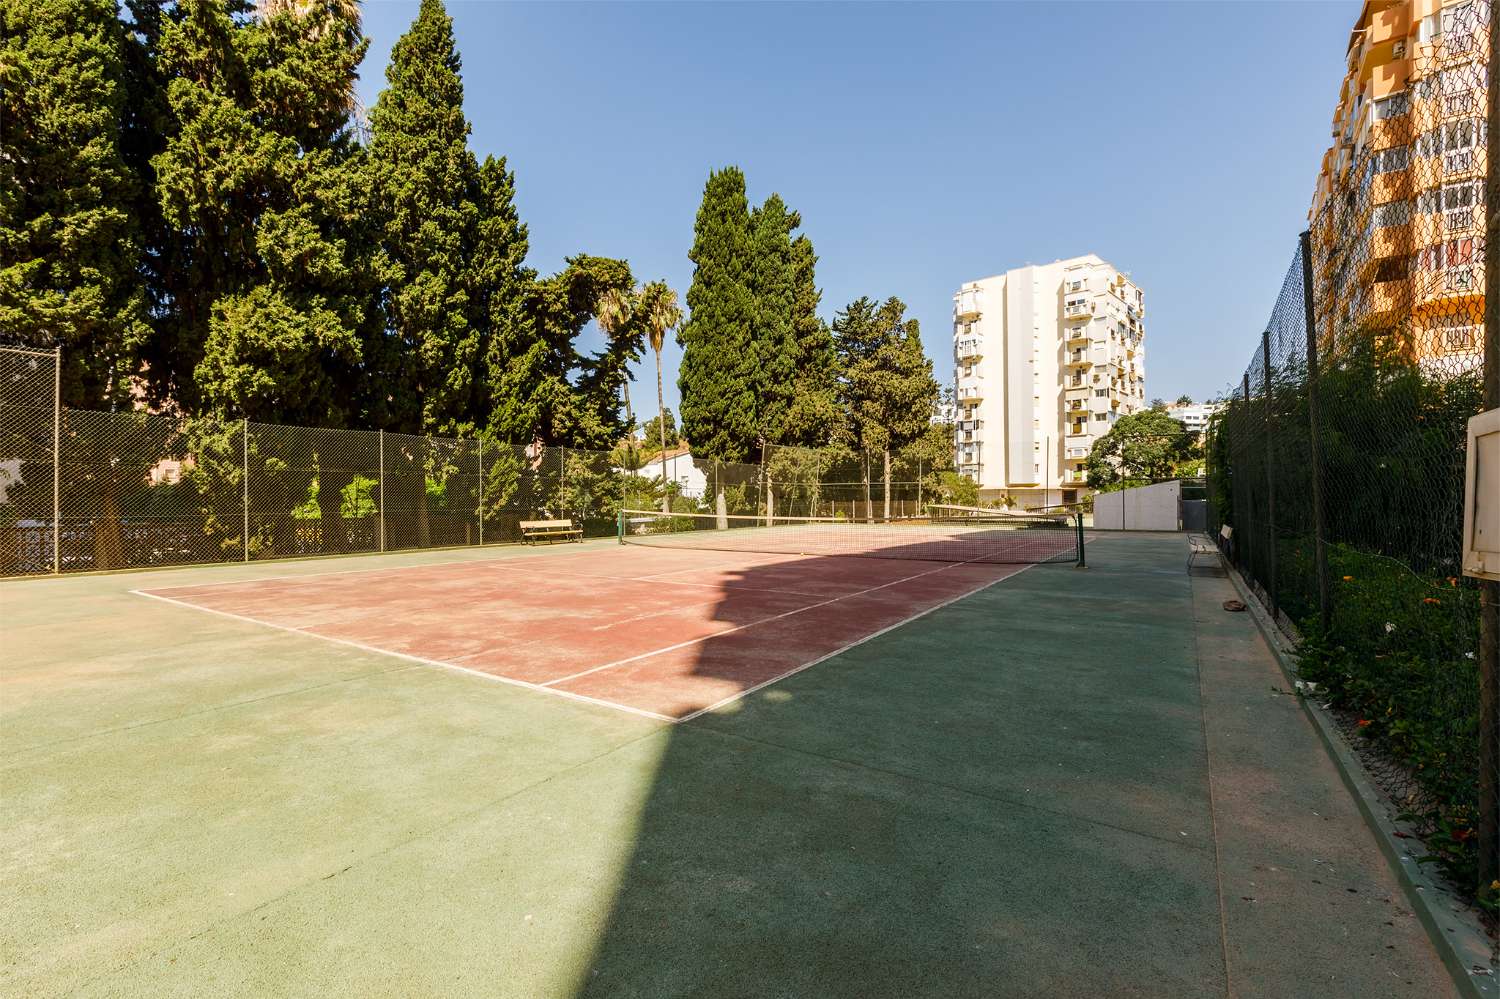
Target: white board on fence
1482, 497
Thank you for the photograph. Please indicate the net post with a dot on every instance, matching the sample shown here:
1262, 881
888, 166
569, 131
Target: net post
245, 485
57, 460
1078, 522
620, 525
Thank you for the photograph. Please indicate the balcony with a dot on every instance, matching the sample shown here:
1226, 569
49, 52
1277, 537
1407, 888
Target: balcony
1459, 220
1076, 334
971, 393
1081, 394
966, 350
1078, 310
1079, 358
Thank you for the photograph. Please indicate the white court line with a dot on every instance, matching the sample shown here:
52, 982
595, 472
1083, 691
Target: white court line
407, 656
752, 624
840, 651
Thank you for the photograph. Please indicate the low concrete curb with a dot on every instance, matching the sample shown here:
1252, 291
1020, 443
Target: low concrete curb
1466, 950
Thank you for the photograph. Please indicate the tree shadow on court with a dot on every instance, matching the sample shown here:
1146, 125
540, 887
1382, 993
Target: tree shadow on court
903, 819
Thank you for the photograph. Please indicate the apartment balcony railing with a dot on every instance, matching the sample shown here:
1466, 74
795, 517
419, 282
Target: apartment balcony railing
1078, 310
971, 392
1458, 220
967, 350
1078, 357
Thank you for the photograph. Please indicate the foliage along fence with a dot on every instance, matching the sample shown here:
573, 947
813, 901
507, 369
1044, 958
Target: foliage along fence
1339, 463
84, 490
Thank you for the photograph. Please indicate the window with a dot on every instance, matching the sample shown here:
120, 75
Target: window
1429, 29
1458, 27
1100, 417
1391, 107
1394, 158
1392, 268
1100, 393
1458, 86
1392, 213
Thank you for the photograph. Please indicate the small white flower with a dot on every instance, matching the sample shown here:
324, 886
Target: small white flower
1389, 627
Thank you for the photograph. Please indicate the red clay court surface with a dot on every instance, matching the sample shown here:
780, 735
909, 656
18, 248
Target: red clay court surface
666, 633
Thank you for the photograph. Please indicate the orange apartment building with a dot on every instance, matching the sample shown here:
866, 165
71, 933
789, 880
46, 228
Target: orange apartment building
1397, 219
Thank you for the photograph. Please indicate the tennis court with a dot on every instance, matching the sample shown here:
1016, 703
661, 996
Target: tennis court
688, 616
490, 772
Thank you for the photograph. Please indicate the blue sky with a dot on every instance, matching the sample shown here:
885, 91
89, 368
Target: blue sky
924, 145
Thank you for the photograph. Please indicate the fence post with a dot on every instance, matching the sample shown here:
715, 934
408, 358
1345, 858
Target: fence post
1315, 441
1489, 589
57, 460
245, 483
481, 492
382, 490
1270, 580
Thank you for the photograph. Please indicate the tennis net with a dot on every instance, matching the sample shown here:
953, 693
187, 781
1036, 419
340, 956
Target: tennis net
1011, 538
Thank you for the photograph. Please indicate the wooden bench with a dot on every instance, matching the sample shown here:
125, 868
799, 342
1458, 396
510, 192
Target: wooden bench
549, 531
1199, 544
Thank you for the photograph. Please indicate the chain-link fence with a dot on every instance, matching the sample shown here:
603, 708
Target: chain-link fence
1338, 460
136, 489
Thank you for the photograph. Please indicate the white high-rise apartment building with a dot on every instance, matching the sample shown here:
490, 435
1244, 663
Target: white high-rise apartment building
1046, 359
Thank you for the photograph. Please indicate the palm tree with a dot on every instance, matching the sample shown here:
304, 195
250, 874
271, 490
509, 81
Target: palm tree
613, 313
658, 305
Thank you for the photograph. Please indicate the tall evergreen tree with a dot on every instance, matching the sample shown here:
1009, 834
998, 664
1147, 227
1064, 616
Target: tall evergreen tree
427, 190
265, 292
499, 280
717, 378
888, 391
773, 339
814, 411
70, 243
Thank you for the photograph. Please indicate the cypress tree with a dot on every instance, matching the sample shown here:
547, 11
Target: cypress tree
814, 410
70, 243
717, 379
499, 279
426, 184
774, 343
257, 186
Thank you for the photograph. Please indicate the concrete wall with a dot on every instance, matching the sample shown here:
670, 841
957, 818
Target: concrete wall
1145, 508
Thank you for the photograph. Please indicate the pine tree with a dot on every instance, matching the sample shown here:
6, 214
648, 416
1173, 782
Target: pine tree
888, 391
717, 378
70, 244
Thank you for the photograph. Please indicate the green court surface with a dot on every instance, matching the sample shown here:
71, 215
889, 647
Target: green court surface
1066, 783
